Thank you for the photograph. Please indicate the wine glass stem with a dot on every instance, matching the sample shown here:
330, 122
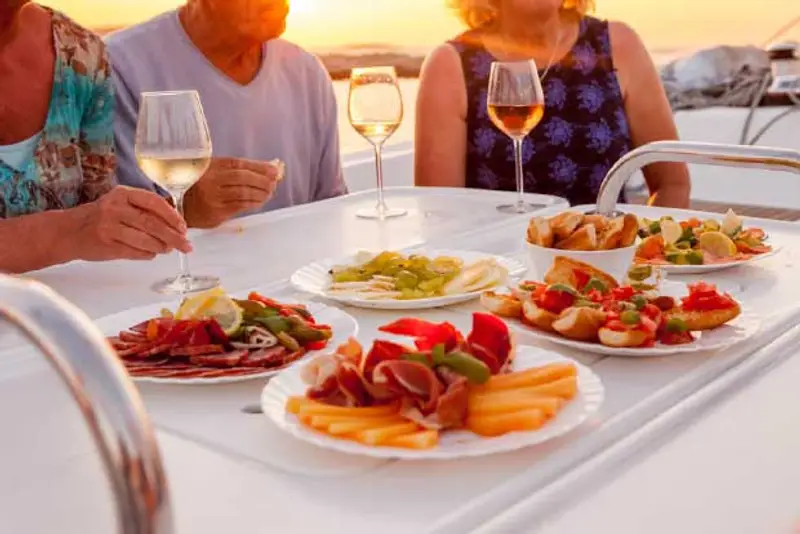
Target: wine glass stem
184, 258
379, 172
520, 177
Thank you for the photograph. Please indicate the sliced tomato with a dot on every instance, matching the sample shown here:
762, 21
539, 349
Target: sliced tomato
555, 301
581, 277
704, 297
652, 311
622, 293
675, 338
617, 326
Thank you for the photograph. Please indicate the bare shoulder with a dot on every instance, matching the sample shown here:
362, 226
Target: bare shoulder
443, 63
626, 45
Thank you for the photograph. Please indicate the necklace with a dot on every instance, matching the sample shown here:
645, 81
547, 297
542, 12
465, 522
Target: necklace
552, 56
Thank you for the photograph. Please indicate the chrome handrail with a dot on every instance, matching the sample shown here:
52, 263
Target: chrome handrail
107, 398
773, 159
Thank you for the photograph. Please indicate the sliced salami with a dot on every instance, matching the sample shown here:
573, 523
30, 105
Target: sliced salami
272, 357
229, 359
196, 350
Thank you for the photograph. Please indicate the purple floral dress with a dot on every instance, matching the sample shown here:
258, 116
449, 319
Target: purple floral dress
583, 132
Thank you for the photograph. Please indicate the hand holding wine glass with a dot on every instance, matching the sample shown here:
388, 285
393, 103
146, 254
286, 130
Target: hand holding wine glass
375, 110
516, 105
173, 148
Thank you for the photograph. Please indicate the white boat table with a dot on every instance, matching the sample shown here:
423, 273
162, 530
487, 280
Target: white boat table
235, 472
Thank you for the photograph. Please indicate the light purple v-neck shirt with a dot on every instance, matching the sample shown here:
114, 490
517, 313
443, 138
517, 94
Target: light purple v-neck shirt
287, 112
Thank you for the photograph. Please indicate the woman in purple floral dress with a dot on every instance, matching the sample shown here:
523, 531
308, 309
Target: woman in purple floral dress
603, 97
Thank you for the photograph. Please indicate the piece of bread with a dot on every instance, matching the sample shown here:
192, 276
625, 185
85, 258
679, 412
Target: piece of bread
697, 321
502, 305
563, 272
540, 233
564, 224
611, 236
628, 338
538, 317
580, 324
630, 230
599, 221
584, 238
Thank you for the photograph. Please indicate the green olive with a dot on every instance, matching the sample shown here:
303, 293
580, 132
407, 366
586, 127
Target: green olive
676, 325
630, 317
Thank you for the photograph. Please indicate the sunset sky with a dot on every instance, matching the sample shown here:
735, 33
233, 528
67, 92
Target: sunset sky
423, 23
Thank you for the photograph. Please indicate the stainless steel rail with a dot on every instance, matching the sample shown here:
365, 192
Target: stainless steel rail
772, 159
110, 404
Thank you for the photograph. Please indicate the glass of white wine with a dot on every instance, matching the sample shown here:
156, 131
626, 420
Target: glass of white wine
173, 148
375, 110
516, 105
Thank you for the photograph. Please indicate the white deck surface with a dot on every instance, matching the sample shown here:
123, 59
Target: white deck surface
232, 472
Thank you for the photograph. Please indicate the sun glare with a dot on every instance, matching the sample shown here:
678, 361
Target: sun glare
302, 6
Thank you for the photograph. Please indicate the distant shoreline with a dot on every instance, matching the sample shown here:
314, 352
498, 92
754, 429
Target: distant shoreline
407, 61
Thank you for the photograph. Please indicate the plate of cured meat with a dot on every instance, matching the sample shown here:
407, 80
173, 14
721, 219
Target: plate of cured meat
584, 308
215, 338
447, 395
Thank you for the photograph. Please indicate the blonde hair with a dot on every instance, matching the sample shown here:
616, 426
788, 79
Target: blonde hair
476, 13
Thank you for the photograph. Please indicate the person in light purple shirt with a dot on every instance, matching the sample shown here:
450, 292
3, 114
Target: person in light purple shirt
264, 99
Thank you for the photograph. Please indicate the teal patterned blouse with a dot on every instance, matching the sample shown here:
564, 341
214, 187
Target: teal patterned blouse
73, 161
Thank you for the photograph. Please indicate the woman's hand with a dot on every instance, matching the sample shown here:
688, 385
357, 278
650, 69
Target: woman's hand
229, 188
125, 223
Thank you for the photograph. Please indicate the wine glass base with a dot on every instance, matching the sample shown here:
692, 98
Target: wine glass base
518, 208
181, 285
386, 213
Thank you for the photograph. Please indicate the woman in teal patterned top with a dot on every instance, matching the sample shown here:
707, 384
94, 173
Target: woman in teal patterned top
58, 194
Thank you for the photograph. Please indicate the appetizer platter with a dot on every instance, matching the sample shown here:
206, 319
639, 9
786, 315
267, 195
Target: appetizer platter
606, 242
582, 307
214, 338
696, 246
447, 396
416, 280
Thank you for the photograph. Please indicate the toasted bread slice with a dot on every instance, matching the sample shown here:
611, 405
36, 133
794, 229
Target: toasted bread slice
502, 305
580, 324
584, 238
563, 272
704, 320
540, 233
611, 236
564, 224
538, 317
629, 338
630, 230
599, 221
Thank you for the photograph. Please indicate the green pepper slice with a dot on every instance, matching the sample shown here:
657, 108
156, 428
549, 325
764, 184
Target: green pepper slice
562, 288
275, 324
288, 341
595, 284
468, 366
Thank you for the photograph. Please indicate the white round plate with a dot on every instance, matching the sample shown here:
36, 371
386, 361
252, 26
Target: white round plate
452, 444
315, 279
343, 326
701, 269
738, 330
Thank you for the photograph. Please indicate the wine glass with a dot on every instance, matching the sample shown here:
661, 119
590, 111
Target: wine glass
375, 110
515, 103
173, 148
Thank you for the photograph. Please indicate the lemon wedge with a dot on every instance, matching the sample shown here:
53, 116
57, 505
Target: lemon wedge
671, 231
213, 304
716, 244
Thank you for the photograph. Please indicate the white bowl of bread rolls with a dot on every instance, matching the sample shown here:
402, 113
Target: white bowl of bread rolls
607, 243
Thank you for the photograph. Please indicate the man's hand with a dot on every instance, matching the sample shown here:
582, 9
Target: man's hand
229, 187
126, 223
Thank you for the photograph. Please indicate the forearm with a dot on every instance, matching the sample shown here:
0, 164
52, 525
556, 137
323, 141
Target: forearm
669, 185
36, 241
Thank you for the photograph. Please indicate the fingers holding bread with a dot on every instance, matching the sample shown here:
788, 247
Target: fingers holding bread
572, 230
